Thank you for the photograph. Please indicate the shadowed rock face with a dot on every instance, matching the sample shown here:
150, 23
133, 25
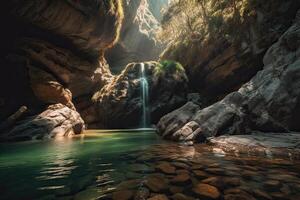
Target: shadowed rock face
119, 103
52, 53
92, 26
269, 102
220, 66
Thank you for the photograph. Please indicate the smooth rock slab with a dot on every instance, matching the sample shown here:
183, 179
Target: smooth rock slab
159, 197
157, 182
180, 196
56, 121
206, 191
266, 144
181, 179
122, 195
166, 168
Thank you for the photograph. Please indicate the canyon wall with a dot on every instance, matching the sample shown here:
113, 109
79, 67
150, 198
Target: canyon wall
229, 57
137, 38
52, 54
268, 103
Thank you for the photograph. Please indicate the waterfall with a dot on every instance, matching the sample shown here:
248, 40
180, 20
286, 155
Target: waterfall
145, 98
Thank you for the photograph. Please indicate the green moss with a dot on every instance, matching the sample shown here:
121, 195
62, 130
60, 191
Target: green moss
169, 67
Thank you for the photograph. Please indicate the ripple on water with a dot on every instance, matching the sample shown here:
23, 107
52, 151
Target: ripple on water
141, 167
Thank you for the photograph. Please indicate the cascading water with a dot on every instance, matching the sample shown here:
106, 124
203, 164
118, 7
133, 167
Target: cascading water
145, 98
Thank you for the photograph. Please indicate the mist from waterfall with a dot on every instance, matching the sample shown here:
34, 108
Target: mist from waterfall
145, 98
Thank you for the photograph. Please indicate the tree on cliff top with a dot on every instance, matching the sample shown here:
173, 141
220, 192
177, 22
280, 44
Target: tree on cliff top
190, 20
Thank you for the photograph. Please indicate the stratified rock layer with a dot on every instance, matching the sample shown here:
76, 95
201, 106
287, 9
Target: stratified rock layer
269, 102
52, 53
219, 65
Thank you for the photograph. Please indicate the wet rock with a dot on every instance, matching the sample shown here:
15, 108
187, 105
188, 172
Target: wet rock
180, 196
285, 189
272, 185
258, 143
247, 174
120, 105
159, 197
206, 191
156, 182
261, 194
238, 197
217, 171
141, 168
130, 184
133, 175
222, 182
89, 193
181, 179
200, 174
182, 171
142, 193
181, 165
166, 168
122, 195
175, 189
279, 195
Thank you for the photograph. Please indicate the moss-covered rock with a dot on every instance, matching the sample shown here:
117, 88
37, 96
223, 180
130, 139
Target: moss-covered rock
119, 103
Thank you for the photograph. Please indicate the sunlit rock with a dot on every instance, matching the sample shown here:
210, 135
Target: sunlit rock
119, 104
269, 102
56, 121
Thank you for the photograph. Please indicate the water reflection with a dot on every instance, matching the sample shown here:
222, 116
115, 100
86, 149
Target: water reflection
137, 164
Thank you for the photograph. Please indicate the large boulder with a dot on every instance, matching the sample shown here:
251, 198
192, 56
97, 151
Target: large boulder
56, 121
119, 103
269, 102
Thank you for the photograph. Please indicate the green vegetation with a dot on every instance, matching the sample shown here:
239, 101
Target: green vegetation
202, 20
170, 66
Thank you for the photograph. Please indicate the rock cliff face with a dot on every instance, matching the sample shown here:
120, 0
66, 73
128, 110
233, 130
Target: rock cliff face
269, 102
119, 104
55, 80
52, 53
137, 38
220, 65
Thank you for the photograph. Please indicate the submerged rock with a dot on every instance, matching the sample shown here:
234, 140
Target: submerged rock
207, 191
157, 182
269, 102
159, 197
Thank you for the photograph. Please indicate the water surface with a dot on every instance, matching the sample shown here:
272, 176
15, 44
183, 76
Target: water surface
137, 164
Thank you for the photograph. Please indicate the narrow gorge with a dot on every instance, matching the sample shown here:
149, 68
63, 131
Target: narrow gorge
150, 99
